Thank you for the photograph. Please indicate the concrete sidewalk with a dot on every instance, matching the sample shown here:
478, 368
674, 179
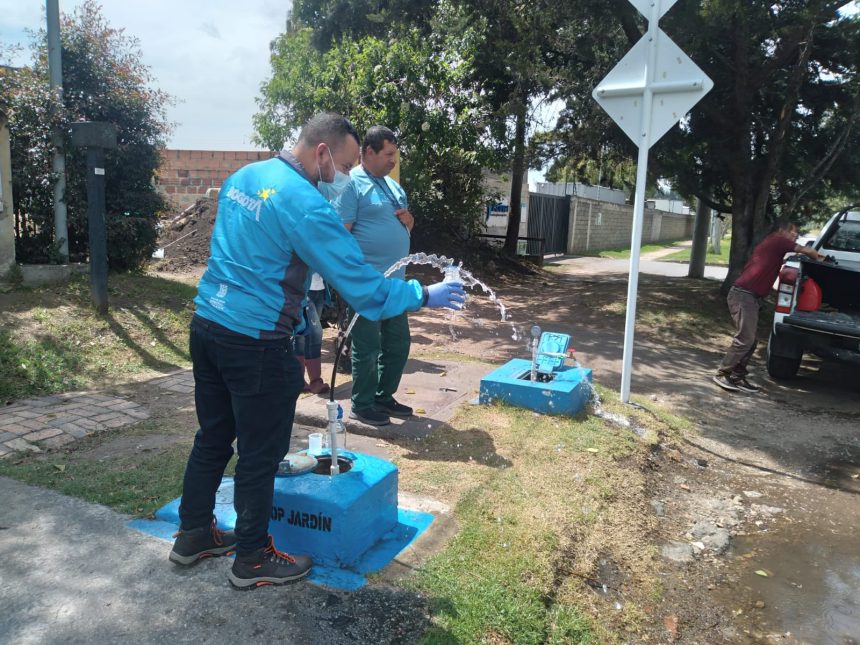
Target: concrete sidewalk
74, 572
434, 390
592, 266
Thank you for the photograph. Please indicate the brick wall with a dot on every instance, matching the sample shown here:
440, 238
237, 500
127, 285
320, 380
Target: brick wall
185, 175
596, 226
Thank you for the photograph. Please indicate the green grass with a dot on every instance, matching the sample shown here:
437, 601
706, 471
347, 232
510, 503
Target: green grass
623, 254
537, 499
52, 339
529, 498
495, 576
713, 259
532, 495
131, 481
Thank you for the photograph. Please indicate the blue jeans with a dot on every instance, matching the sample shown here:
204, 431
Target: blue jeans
309, 344
244, 390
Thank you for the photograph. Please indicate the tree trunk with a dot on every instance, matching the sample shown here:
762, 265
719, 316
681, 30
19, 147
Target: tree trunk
517, 169
742, 238
699, 252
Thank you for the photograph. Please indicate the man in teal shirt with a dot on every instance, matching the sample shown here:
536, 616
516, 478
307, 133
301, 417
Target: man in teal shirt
375, 209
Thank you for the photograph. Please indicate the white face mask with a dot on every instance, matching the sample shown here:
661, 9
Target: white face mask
331, 190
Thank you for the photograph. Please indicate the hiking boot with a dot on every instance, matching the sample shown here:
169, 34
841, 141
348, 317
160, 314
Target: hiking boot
394, 409
741, 383
204, 542
370, 416
725, 382
268, 566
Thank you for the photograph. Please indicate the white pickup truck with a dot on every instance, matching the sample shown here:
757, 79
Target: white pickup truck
832, 330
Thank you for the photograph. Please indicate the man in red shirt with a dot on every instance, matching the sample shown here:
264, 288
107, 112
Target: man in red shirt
745, 296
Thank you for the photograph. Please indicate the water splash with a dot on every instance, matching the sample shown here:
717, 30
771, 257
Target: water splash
468, 280
597, 410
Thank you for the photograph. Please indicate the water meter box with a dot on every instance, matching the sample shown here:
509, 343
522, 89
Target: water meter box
566, 393
335, 520
551, 352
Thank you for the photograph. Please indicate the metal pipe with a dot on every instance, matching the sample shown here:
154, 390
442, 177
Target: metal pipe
331, 408
535, 337
639, 204
670, 87
55, 71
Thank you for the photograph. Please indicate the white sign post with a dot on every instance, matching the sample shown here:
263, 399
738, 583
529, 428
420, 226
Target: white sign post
646, 93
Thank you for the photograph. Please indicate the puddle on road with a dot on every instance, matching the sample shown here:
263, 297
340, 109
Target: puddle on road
812, 587
842, 473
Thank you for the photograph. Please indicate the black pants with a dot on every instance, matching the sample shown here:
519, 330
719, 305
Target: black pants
244, 390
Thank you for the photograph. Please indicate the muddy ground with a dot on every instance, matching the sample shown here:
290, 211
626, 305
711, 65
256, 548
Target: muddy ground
758, 505
776, 472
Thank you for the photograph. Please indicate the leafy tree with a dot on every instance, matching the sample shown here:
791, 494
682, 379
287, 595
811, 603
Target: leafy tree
509, 50
606, 169
520, 48
333, 21
406, 84
103, 80
33, 112
776, 135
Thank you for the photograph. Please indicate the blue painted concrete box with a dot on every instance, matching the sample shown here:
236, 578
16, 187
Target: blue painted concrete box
335, 520
567, 393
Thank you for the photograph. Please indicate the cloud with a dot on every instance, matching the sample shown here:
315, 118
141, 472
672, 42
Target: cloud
210, 56
211, 30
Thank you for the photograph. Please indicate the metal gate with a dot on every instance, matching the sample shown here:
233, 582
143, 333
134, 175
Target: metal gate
549, 218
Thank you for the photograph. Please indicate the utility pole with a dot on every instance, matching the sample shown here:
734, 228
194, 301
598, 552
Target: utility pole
55, 71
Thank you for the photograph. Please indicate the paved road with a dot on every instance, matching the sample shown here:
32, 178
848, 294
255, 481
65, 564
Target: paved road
606, 266
73, 572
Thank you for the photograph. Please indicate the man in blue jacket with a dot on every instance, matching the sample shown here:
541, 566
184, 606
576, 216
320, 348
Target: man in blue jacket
273, 223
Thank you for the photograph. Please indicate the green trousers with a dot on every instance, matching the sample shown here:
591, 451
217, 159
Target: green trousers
379, 352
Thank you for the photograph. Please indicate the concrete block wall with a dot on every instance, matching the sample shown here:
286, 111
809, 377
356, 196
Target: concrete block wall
597, 226
185, 175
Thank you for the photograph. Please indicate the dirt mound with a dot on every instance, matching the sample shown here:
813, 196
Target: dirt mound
185, 237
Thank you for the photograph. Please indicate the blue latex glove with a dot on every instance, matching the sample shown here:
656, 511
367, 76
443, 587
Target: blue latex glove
446, 294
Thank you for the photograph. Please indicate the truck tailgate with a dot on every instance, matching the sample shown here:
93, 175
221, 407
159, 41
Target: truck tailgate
836, 323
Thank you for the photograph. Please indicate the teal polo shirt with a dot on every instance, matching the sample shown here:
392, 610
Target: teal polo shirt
368, 203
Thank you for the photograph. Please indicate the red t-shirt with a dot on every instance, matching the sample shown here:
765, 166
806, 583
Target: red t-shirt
764, 264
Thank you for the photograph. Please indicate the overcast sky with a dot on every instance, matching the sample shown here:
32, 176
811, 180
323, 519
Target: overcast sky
210, 55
